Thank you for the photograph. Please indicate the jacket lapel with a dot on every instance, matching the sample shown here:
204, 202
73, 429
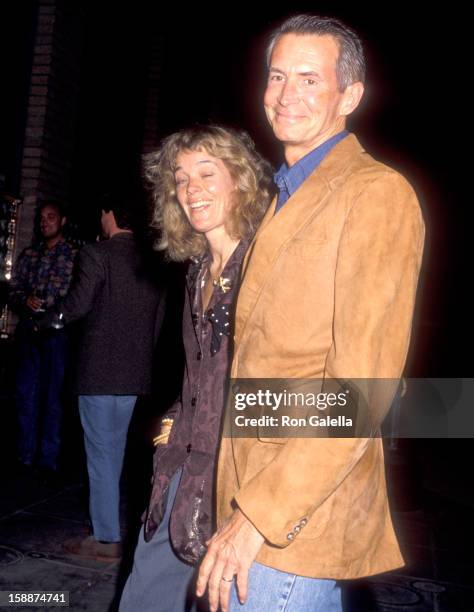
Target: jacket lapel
276, 231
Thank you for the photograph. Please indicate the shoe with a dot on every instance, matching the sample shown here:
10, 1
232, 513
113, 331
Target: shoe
94, 549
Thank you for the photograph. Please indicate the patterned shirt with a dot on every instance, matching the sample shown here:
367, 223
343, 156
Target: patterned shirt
45, 273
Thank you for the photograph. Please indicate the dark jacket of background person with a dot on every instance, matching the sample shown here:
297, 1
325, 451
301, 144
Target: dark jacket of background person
197, 416
121, 308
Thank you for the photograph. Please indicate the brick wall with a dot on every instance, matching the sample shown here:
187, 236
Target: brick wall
52, 110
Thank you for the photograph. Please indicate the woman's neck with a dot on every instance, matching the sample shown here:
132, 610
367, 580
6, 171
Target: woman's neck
221, 248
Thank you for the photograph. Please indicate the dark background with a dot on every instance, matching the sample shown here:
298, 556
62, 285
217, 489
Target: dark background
413, 116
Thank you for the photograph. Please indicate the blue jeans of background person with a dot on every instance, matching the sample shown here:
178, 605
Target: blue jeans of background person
159, 582
41, 359
275, 591
105, 420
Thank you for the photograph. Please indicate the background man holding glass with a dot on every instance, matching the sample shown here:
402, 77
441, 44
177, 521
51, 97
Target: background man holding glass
41, 278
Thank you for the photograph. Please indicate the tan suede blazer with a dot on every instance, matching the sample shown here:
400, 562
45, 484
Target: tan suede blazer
328, 291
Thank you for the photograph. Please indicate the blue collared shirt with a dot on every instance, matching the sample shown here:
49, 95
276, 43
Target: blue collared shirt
289, 179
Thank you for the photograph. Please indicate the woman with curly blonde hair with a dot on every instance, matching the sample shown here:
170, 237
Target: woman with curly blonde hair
210, 189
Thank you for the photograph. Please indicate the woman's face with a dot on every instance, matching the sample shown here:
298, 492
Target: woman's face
205, 191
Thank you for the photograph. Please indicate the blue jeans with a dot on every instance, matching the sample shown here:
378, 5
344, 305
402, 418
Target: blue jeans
159, 582
39, 378
105, 420
275, 591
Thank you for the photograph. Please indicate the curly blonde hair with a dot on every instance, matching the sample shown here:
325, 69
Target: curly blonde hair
249, 171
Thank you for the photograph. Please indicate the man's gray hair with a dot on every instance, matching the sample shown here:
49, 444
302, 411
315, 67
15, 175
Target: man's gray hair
350, 66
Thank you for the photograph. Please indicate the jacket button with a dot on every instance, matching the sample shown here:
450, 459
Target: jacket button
193, 401
303, 522
290, 536
188, 448
199, 356
296, 528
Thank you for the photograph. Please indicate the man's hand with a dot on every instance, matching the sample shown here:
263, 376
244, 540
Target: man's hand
34, 303
231, 552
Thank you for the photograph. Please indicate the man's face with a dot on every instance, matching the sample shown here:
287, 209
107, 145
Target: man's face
51, 224
302, 100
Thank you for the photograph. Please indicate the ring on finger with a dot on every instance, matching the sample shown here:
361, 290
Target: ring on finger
227, 579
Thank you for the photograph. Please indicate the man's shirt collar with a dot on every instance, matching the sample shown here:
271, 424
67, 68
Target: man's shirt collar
289, 179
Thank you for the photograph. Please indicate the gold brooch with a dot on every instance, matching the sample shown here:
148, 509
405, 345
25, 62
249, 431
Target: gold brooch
223, 284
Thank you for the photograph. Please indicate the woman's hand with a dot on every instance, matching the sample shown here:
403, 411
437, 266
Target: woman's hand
163, 436
231, 552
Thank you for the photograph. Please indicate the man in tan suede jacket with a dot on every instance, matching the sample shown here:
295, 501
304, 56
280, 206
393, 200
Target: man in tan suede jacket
327, 293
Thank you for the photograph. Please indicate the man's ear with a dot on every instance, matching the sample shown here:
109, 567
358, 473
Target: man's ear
351, 97
63, 221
